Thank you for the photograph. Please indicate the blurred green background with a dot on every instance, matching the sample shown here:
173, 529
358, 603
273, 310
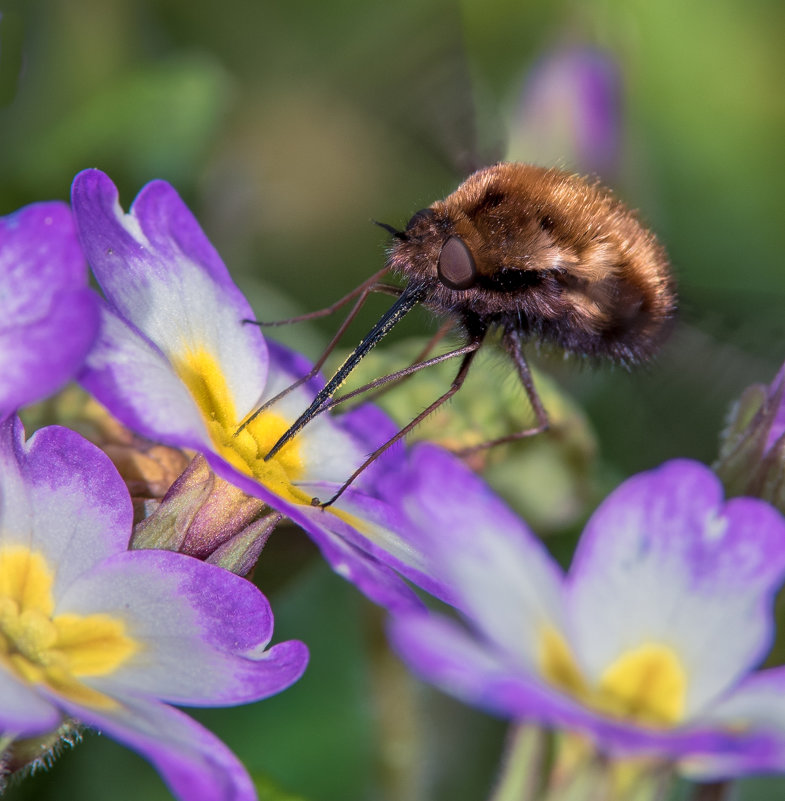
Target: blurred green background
287, 127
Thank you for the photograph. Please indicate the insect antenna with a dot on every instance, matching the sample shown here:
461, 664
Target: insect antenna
410, 296
390, 229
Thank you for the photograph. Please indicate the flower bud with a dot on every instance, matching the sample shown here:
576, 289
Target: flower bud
569, 112
204, 516
752, 447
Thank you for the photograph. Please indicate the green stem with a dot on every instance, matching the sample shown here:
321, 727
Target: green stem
521, 775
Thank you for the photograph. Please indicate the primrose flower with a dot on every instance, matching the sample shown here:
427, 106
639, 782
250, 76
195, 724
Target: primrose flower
175, 363
97, 633
646, 645
48, 316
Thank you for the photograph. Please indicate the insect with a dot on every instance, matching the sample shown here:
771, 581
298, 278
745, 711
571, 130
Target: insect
538, 253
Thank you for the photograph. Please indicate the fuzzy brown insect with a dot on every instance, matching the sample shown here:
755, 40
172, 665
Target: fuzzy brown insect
538, 253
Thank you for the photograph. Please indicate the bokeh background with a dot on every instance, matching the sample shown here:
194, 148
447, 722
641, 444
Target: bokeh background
287, 127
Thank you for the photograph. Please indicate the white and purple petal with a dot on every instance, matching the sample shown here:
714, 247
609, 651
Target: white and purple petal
664, 560
23, 711
499, 575
48, 316
138, 384
470, 668
174, 605
754, 712
159, 271
340, 542
192, 761
62, 497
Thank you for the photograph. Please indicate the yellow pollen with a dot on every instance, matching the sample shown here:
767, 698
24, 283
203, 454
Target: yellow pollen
647, 684
54, 650
200, 372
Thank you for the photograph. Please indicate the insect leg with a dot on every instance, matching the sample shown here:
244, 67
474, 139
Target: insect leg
460, 377
369, 285
398, 375
512, 344
402, 374
365, 289
410, 296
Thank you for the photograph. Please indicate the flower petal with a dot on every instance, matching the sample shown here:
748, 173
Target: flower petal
48, 316
23, 712
341, 544
498, 573
160, 272
755, 713
464, 666
664, 561
63, 497
136, 382
175, 605
193, 762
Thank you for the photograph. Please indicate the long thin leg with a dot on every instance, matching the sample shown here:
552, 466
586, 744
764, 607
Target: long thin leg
410, 296
512, 344
454, 387
363, 287
317, 365
398, 375
418, 359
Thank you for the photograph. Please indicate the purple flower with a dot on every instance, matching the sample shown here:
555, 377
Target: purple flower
570, 110
48, 316
104, 635
175, 362
646, 645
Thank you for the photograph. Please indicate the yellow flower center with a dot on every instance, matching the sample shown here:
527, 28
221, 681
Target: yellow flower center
647, 684
201, 374
55, 651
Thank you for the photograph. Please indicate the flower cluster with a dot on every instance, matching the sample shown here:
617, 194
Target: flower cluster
648, 646
90, 631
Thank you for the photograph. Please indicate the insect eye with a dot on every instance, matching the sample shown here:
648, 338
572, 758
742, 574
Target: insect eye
421, 215
456, 265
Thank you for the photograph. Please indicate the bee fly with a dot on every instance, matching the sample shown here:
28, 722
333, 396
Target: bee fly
537, 253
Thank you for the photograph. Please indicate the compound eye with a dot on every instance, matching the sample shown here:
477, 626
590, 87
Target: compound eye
456, 265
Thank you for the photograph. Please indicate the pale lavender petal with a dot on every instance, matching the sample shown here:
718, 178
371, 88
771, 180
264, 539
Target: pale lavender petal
381, 530
500, 575
160, 272
755, 713
48, 316
61, 497
664, 561
342, 545
174, 605
23, 711
373, 577
136, 382
193, 762
471, 669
